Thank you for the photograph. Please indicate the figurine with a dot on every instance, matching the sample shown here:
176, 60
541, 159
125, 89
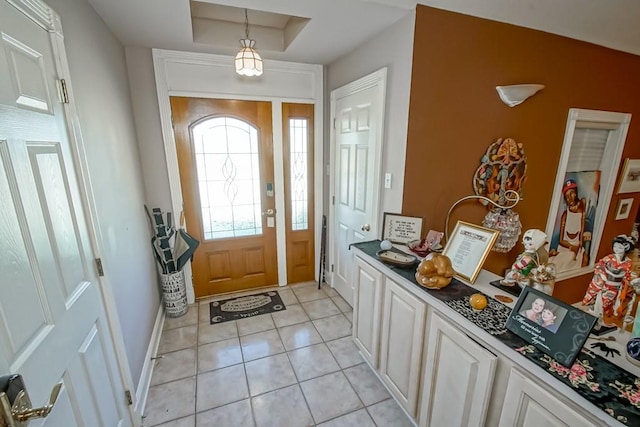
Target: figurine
435, 271
533, 256
612, 279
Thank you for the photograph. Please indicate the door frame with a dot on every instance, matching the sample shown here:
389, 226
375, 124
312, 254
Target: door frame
203, 75
47, 18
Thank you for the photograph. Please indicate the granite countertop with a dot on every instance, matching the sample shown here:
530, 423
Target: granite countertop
606, 385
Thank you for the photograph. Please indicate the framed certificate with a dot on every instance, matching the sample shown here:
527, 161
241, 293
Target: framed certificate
401, 229
468, 247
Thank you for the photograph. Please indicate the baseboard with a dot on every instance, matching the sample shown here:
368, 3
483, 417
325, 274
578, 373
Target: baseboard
142, 390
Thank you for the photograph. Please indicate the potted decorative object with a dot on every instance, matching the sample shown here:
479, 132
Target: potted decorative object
543, 278
172, 249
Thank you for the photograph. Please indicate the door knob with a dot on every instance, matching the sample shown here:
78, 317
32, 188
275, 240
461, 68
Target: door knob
19, 412
269, 212
366, 227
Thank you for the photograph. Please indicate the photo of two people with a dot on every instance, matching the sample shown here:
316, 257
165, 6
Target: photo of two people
543, 312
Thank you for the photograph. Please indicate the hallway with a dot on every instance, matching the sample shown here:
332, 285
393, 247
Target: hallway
298, 367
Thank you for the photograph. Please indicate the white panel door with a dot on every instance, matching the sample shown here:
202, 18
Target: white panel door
366, 310
527, 404
53, 326
403, 320
358, 111
459, 370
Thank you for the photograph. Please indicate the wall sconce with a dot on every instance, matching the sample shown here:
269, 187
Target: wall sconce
501, 218
516, 94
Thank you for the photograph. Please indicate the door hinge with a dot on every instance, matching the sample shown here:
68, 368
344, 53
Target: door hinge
332, 268
63, 94
127, 397
333, 200
334, 122
99, 267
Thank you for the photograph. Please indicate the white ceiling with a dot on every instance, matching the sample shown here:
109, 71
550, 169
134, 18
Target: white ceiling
336, 27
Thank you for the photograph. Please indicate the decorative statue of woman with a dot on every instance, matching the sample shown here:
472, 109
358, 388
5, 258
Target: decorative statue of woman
612, 278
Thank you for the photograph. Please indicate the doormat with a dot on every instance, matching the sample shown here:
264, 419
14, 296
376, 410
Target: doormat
245, 306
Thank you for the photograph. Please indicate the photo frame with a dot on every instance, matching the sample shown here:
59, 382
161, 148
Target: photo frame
630, 177
401, 228
624, 209
468, 247
553, 327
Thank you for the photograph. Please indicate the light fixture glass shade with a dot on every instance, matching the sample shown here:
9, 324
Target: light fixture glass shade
248, 61
507, 222
516, 94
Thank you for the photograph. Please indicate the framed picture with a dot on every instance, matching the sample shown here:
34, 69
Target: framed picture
630, 178
624, 208
573, 230
553, 327
468, 247
400, 228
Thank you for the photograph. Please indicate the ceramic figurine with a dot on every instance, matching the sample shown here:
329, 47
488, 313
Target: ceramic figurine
612, 280
435, 271
533, 256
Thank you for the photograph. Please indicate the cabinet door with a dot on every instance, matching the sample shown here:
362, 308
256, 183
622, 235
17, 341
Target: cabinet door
402, 340
458, 377
528, 404
366, 310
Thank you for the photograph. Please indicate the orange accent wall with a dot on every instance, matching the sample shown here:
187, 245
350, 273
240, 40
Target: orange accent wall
455, 113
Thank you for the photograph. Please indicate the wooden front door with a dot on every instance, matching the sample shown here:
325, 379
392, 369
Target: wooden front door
225, 157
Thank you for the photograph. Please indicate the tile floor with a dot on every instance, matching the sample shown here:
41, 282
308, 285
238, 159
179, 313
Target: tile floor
298, 367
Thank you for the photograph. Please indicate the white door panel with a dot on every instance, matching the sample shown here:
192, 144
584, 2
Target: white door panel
358, 112
53, 324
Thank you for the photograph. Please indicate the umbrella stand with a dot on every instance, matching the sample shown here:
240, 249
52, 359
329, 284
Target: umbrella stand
170, 259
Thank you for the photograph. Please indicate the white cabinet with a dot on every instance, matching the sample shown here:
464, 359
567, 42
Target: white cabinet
366, 310
528, 404
458, 377
402, 341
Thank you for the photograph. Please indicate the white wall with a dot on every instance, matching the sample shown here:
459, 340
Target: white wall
149, 129
393, 49
100, 85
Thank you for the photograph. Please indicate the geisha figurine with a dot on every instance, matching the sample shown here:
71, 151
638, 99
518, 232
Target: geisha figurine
612, 279
533, 256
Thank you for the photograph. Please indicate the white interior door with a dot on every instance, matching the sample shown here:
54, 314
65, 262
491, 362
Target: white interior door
358, 113
53, 326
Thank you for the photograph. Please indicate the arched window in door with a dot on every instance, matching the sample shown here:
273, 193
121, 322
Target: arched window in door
228, 172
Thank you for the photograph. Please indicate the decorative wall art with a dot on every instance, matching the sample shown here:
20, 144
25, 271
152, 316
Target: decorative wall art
503, 167
630, 178
570, 242
624, 209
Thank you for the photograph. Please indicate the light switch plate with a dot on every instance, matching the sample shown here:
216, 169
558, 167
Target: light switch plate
387, 180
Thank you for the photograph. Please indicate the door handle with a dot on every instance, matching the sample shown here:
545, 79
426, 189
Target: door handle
16, 409
269, 212
366, 227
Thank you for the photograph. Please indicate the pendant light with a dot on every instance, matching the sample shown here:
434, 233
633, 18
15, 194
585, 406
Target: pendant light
248, 61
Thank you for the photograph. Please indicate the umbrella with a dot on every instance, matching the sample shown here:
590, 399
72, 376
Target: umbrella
184, 247
171, 257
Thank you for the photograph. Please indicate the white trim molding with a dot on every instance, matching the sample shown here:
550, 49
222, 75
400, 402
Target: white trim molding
142, 391
205, 75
